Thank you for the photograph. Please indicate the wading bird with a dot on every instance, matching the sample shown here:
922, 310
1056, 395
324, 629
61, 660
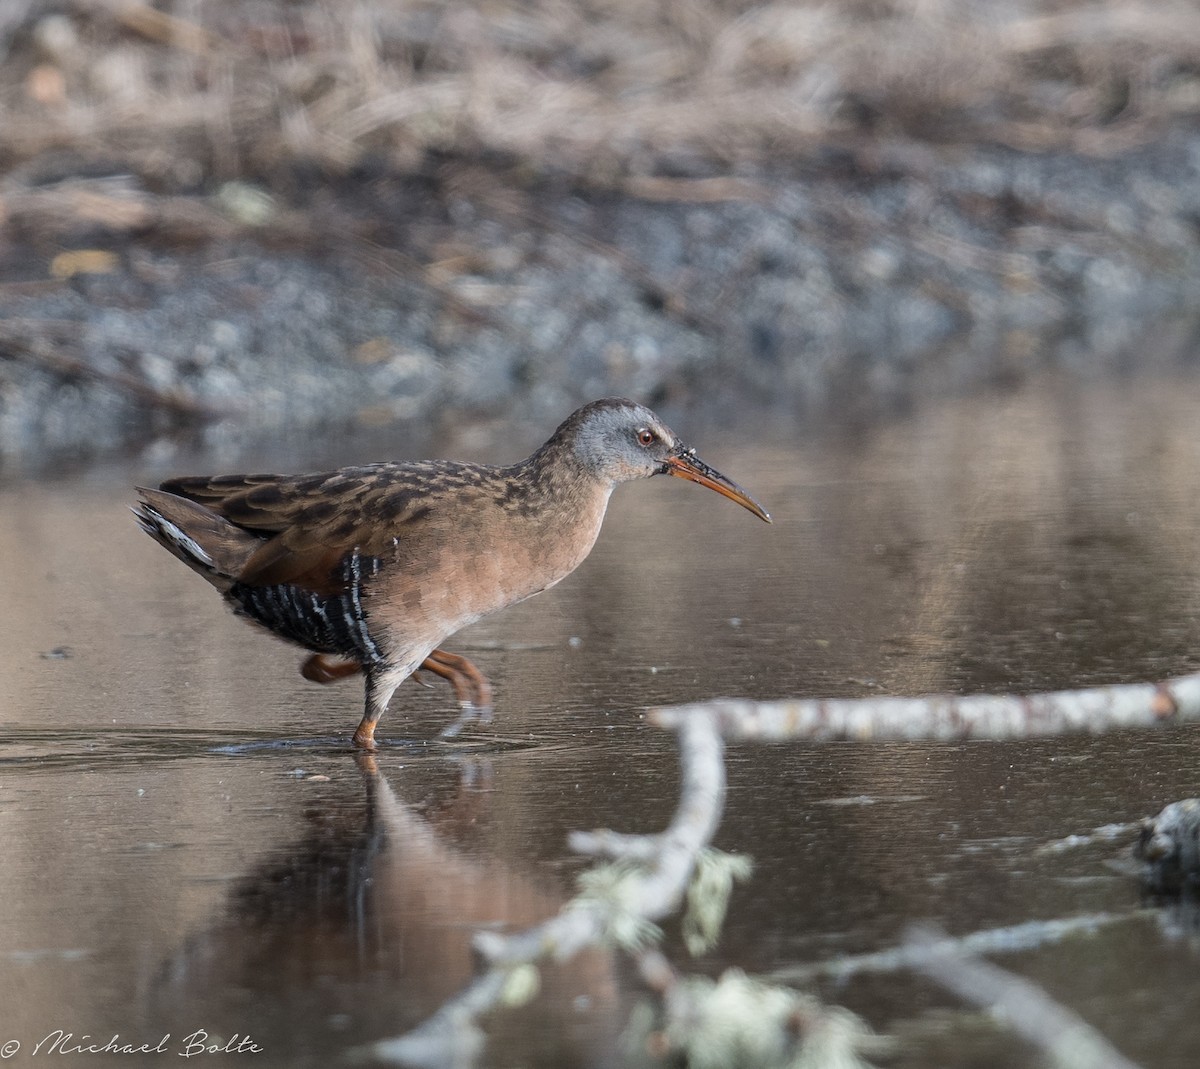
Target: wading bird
373, 567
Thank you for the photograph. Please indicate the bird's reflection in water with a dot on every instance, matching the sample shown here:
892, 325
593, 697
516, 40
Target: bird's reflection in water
361, 929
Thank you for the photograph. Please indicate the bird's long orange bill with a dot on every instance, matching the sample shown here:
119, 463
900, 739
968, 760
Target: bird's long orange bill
686, 465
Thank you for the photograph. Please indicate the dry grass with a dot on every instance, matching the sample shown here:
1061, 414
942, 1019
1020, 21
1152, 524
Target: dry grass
192, 90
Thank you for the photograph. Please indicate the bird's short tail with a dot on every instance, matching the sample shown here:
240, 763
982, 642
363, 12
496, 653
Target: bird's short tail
206, 542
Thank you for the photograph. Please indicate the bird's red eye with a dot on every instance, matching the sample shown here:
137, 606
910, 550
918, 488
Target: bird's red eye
646, 436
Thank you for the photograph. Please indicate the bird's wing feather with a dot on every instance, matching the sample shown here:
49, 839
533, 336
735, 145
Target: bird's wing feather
311, 524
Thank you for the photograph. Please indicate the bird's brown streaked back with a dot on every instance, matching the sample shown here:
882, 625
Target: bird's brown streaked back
373, 567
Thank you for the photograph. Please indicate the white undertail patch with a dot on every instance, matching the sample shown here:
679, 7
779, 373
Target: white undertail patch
154, 523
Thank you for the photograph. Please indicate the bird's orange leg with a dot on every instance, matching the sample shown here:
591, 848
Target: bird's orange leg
471, 686
382, 681
322, 668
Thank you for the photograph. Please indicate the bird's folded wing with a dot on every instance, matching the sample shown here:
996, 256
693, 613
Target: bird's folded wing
313, 525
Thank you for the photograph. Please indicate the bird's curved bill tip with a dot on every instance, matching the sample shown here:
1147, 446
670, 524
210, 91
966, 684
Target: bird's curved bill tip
686, 465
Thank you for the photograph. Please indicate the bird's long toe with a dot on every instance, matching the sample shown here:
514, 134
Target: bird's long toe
471, 686
468, 715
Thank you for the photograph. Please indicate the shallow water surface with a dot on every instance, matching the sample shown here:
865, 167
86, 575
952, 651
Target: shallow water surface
190, 846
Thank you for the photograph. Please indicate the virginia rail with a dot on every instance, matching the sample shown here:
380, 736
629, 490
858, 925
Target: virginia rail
373, 567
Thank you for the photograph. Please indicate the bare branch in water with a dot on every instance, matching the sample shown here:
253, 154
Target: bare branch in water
647, 876
1068, 1040
1012, 939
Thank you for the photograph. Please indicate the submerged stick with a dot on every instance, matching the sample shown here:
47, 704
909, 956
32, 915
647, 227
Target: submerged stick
1067, 1040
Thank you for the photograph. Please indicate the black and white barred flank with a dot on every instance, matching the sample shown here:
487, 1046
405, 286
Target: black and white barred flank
327, 623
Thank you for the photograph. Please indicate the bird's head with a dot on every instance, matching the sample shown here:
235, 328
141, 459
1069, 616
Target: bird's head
616, 440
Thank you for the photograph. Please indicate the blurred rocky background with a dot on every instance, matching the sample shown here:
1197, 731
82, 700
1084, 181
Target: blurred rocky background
224, 218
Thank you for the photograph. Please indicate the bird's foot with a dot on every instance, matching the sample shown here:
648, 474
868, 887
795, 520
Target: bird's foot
364, 735
468, 714
471, 687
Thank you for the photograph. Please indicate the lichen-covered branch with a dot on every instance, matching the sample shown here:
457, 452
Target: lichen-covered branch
646, 877
646, 881
979, 716
656, 886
